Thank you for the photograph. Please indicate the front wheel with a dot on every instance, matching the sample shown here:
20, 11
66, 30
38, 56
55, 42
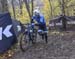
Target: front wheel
24, 42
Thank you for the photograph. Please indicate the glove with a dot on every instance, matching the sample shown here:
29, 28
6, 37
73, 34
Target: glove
32, 24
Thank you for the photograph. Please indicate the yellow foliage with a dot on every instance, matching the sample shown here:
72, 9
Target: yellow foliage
24, 17
46, 10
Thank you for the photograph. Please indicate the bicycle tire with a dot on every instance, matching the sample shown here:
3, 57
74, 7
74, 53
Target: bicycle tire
24, 42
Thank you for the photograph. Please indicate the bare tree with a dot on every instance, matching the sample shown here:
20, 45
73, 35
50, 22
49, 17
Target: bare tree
32, 2
62, 6
51, 9
30, 12
12, 2
20, 4
3, 6
27, 7
67, 10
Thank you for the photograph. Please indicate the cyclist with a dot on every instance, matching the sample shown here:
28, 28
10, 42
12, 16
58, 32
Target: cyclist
39, 18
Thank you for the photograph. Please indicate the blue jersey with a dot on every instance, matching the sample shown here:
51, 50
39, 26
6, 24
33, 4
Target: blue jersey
40, 19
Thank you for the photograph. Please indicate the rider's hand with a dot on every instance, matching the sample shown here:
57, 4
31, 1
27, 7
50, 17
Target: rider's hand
32, 24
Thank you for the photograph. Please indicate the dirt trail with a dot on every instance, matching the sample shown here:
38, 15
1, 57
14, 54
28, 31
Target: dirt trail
60, 46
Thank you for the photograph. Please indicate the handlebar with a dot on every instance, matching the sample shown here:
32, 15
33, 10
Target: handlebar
35, 24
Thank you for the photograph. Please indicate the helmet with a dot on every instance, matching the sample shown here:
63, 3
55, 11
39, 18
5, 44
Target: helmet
37, 8
36, 11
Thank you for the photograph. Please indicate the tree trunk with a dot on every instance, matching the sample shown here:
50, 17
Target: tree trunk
3, 6
32, 7
30, 12
51, 9
63, 15
67, 11
13, 9
20, 4
27, 7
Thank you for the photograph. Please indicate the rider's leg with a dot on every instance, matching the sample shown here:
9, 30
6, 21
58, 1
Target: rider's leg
40, 32
46, 37
42, 36
45, 34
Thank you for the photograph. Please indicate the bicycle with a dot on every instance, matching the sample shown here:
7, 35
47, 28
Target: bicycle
29, 36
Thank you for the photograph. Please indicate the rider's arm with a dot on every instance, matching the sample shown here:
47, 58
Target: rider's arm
32, 20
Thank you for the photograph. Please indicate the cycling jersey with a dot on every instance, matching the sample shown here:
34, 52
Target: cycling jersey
41, 22
40, 19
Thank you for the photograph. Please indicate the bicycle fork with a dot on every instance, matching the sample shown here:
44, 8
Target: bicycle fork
31, 38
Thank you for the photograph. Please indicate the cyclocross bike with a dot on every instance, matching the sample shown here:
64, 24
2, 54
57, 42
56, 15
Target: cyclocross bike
29, 36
